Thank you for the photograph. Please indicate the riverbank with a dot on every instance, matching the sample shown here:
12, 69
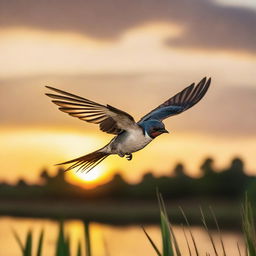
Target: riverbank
228, 213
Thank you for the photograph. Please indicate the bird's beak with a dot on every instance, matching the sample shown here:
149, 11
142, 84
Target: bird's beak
164, 131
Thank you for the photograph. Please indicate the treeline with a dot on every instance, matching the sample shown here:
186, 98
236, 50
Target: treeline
230, 183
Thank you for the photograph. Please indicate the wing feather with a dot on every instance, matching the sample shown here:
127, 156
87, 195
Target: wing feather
110, 119
180, 102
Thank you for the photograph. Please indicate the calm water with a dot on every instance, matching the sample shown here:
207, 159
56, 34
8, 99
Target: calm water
119, 241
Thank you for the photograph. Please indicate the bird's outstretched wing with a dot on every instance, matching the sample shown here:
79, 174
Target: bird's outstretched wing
110, 119
180, 102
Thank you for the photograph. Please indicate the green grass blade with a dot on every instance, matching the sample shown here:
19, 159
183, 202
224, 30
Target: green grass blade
28, 244
186, 238
166, 236
151, 242
87, 239
165, 229
190, 232
176, 246
238, 248
67, 245
61, 247
249, 228
79, 249
18, 240
162, 205
208, 232
219, 232
40, 244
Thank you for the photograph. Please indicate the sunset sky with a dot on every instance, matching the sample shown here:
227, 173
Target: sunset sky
133, 55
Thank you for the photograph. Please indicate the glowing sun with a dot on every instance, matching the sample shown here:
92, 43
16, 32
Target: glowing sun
91, 176
96, 176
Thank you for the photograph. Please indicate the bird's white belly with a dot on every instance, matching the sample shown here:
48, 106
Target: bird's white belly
135, 141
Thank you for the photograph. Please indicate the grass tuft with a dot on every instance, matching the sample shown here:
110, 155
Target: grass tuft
40, 244
249, 228
170, 246
87, 239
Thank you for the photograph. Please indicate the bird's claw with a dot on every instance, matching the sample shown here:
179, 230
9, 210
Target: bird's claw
129, 157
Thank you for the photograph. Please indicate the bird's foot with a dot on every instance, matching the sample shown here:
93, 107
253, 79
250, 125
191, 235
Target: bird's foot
129, 157
121, 154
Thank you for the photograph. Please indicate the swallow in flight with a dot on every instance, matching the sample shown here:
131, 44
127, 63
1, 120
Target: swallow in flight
131, 136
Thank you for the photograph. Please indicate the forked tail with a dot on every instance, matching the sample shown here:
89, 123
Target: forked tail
87, 162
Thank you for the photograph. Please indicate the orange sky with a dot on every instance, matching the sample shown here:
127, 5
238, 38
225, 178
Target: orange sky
131, 66
27, 151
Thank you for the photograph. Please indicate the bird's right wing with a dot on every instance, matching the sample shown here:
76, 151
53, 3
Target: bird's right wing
179, 102
110, 119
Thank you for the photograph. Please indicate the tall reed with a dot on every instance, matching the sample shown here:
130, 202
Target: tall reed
170, 246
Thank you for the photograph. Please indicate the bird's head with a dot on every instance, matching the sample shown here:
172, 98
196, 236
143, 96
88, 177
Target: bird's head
153, 128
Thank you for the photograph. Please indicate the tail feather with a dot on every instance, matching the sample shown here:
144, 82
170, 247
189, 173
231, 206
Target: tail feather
87, 162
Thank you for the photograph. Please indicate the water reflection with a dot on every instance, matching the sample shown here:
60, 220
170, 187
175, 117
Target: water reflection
119, 241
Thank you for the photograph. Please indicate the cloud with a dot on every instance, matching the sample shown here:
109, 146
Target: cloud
206, 25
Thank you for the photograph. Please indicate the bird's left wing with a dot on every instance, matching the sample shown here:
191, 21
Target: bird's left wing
110, 119
180, 102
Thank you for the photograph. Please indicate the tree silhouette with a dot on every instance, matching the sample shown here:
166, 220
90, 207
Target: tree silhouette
207, 167
179, 170
237, 166
230, 183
